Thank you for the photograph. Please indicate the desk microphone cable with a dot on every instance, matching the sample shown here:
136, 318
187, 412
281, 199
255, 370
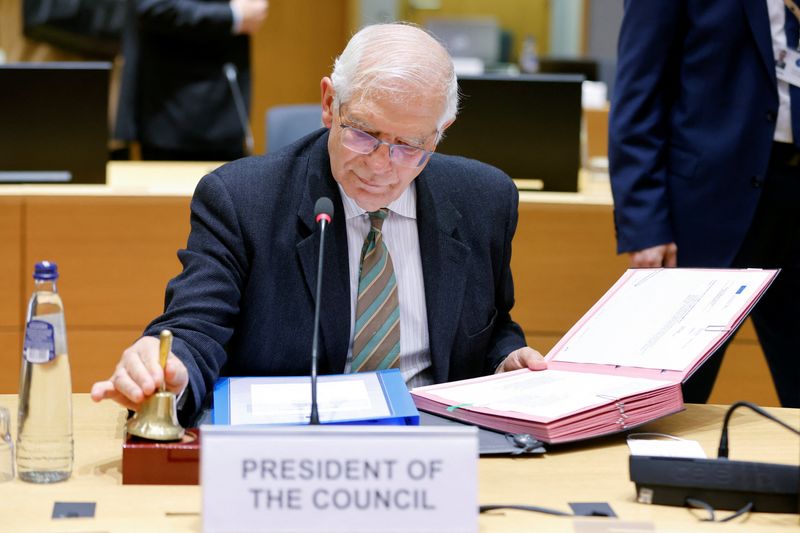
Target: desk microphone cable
722, 453
533, 508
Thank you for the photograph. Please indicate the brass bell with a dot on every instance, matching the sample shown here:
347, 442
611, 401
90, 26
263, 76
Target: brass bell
157, 418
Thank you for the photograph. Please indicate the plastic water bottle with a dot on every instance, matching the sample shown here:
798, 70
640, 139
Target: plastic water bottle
529, 56
44, 431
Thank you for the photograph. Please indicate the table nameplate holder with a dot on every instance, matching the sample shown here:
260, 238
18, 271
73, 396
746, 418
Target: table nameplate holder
339, 478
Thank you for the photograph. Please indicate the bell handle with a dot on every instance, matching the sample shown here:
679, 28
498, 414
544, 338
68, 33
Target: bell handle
165, 347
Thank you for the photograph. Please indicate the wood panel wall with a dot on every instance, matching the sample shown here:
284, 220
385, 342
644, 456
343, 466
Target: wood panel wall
291, 53
11, 300
115, 256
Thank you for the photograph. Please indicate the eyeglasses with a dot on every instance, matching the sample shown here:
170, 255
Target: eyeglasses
362, 142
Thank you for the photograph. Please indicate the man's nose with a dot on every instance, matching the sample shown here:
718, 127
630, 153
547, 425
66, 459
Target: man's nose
378, 160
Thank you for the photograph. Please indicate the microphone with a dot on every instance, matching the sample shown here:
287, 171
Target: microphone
232, 73
323, 213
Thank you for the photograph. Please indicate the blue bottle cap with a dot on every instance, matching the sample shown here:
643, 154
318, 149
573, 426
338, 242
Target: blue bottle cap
45, 270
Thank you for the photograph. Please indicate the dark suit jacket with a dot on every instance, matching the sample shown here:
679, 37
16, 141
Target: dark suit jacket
691, 126
174, 93
244, 303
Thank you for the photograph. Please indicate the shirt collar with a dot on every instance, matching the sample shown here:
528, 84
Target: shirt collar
405, 205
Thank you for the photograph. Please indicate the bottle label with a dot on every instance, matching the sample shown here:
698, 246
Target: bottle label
40, 344
59, 330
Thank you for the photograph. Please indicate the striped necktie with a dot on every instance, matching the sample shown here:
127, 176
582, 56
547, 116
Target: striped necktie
376, 345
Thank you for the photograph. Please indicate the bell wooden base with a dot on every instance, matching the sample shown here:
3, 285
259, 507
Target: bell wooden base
146, 462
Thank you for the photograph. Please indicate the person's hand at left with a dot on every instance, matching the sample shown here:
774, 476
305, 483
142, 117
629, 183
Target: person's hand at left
252, 14
525, 357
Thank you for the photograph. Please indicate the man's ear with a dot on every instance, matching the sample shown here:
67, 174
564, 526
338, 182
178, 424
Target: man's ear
328, 94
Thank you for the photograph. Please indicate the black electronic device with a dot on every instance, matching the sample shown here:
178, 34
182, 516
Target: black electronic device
719, 483
528, 126
588, 68
722, 483
54, 122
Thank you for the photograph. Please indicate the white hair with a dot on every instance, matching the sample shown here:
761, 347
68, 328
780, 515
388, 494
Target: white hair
399, 61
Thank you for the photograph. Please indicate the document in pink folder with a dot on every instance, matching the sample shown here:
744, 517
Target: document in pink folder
620, 366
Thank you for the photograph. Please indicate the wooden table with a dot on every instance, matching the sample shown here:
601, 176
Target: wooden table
584, 472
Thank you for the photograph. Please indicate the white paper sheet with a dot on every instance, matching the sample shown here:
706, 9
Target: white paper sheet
546, 394
663, 318
288, 400
666, 447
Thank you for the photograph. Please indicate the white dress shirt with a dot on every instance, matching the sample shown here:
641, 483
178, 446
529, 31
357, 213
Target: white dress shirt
777, 20
401, 238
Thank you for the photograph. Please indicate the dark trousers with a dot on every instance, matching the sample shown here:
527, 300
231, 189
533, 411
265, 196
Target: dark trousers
773, 241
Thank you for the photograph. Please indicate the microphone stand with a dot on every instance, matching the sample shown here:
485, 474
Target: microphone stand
323, 210
315, 343
231, 73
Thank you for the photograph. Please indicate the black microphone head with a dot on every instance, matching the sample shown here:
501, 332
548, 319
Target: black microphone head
324, 206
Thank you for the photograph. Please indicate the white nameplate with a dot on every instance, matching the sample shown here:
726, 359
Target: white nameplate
339, 478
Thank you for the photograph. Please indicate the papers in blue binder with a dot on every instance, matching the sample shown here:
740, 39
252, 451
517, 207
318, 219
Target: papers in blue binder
361, 398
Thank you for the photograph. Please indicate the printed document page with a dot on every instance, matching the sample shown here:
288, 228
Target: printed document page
663, 318
545, 394
287, 400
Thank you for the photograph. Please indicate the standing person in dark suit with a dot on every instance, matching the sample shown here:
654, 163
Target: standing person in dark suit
176, 99
705, 159
244, 303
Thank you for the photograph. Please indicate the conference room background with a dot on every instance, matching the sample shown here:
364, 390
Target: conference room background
291, 52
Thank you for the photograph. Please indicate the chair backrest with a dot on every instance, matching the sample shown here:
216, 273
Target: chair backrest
287, 123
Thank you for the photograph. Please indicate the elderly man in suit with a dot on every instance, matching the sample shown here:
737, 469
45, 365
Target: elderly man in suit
244, 303
704, 154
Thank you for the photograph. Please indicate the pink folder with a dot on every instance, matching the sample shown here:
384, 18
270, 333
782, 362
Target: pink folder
621, 365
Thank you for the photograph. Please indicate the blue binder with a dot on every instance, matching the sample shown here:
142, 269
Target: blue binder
402, 411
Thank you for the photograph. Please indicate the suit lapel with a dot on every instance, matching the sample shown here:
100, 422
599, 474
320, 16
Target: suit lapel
443, 258
442, 253
335, 311
758, 19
